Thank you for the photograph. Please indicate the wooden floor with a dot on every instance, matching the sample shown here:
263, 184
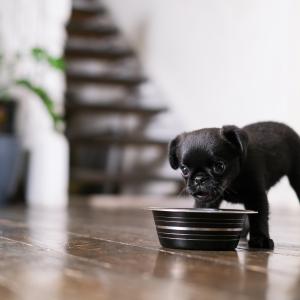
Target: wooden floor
93, 252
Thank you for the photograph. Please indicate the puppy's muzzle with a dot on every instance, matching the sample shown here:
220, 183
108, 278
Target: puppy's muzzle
199, 186
200, 180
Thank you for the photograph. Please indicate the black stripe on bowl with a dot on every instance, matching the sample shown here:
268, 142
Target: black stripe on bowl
196, 215
208, 233
200, 237
199, 218
193, 244
210, 229
198, 224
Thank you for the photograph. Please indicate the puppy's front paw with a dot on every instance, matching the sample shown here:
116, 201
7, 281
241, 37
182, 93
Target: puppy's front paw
246, 229
261, 242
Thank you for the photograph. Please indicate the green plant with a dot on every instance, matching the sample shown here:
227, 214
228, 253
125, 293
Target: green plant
9, 80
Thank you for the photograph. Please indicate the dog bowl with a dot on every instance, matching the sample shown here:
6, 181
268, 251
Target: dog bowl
199, 229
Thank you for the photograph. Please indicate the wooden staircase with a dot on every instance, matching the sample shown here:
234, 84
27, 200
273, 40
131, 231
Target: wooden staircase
107, 112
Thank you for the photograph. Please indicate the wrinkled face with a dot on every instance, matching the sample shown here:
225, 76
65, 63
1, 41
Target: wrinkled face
208, 164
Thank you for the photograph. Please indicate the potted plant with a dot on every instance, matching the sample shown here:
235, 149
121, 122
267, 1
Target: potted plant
10, 148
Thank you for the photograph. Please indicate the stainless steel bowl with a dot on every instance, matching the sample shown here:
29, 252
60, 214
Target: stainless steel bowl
199, 229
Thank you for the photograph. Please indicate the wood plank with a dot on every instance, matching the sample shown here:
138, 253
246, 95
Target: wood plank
141, 258
32, 272
135, 261
93, 279
130, 235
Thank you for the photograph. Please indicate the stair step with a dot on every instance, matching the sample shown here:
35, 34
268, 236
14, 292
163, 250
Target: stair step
97, 108
92, 176
120, 140
83, 9
83, 12
118, 79
91, 29
97, 53
97, 48
96, 93
91, 67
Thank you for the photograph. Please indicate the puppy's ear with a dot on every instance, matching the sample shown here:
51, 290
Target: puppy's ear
237, 137
173, 157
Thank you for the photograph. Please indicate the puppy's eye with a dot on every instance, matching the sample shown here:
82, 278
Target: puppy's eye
185, 171
219, 167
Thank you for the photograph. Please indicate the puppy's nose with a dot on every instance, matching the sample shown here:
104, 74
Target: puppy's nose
199, 180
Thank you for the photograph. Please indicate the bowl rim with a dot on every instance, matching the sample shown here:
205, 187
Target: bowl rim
202, 210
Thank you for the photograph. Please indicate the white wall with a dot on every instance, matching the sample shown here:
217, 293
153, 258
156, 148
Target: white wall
221, 62
24, 25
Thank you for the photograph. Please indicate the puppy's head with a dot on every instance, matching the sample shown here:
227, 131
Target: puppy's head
209, 159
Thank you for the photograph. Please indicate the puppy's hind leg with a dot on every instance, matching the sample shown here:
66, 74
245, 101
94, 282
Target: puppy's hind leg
294, 179
294, 172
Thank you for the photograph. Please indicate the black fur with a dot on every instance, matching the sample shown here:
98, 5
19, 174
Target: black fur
239, 165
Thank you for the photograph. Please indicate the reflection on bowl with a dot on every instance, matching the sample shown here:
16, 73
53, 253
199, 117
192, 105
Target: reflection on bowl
199, 229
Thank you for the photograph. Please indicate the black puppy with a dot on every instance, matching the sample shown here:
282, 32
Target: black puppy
238, 165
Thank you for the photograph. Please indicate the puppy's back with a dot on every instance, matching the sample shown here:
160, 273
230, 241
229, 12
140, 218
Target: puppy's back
271, 134
274, 147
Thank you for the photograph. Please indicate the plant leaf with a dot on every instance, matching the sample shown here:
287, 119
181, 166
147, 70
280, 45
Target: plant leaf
44, 97
40, 54
57, 63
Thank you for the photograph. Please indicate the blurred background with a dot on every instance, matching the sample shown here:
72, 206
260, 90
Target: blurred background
91, 92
